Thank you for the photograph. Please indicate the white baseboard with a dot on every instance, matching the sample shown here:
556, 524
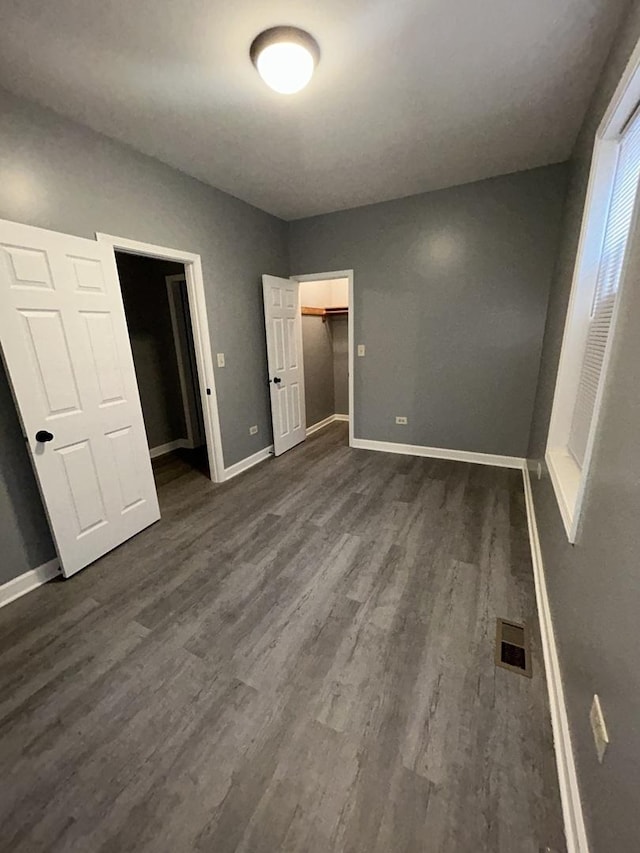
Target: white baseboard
320, 425
574, 828
440, 453
170, 446
323, 423
24, 583
249, 462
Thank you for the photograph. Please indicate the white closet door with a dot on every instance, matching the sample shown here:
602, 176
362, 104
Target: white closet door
283, 324
67, 353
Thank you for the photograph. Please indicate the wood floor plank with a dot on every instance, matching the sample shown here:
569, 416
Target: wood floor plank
300, 660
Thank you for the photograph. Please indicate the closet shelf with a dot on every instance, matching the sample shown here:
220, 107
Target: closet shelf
324, 312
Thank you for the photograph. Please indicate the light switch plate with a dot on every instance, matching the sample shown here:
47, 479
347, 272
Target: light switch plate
253, 430
220, 357
599, 728
400, 419
360, 350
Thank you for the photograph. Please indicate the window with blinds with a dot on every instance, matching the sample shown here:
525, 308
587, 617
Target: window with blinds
614, 246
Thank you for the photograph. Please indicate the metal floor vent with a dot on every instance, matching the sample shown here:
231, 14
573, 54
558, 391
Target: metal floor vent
512, 647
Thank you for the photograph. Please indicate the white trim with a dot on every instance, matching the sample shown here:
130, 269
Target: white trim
625, 99
344, 418
348, 274
320, 425
517, 462
568, 479
574, 828
17, 587
566, 476
249, 462
169, 447
201, 337
325, 422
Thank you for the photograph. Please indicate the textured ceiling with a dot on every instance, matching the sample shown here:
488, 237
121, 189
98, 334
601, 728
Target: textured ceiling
410, 95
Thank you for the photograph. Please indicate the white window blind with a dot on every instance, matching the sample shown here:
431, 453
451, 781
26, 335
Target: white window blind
616, 236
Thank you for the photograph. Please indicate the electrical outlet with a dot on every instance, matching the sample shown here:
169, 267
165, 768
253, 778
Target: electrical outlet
361, 350
220, 357
400, 419
539, 470
253, 430
599, 728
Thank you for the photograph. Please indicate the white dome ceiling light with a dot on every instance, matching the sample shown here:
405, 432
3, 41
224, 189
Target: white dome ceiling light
285, 58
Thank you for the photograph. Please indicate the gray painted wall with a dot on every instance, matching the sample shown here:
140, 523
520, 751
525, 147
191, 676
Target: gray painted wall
59, 175
146, 304
594, 586
451, 294
340, 338
451, 290
317, 347
25, 541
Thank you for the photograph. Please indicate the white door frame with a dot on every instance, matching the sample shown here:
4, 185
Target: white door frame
201, 337
348, 274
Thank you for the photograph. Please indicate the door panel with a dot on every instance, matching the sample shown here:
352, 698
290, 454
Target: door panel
283, 325
100, 331
278, 331
28, 269
53, 371
89, 275
66, 349
292, 344
294, 399
121, 442
83, 486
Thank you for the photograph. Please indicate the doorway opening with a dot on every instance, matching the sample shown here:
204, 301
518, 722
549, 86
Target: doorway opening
188, 267
321, 359
156, 306
326, 306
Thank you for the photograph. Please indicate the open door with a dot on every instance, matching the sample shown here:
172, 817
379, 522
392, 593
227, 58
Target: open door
283, 325
67, 353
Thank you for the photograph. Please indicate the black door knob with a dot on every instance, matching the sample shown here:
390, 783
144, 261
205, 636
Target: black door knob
42, 435
277, 380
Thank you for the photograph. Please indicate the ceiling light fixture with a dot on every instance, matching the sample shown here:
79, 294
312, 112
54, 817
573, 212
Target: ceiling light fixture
285, 57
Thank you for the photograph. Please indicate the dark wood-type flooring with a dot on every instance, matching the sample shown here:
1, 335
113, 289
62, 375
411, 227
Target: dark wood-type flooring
301, 659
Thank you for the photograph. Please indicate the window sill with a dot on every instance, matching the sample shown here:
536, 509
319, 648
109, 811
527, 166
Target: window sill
566, 478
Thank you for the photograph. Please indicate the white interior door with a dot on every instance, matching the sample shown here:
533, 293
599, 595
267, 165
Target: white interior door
283, 324
67, 353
